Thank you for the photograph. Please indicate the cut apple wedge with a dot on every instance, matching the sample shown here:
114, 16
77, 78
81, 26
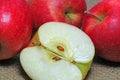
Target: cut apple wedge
65, 53
75, 43
41, 65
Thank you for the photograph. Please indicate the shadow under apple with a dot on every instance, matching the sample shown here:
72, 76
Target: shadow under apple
98, 60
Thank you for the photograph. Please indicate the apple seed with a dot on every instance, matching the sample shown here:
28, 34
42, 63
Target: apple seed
60, 48
56, 58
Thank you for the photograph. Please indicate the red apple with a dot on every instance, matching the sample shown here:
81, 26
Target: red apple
102, 24
15, 27
68, 11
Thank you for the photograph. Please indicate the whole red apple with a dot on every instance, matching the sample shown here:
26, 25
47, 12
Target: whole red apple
102, 24
15, 27
68, 11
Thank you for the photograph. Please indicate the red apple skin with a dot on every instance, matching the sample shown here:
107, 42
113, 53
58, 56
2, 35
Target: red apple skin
68, 11
15, 27
102, 24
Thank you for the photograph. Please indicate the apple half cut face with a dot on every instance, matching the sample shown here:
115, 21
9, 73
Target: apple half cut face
65, 53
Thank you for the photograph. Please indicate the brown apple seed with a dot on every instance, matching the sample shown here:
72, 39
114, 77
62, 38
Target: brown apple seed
60, 48
56, 58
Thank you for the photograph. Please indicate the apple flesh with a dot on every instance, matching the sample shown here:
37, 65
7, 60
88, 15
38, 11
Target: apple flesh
102, 24
68, 11
42, 66
15, 27
58, 51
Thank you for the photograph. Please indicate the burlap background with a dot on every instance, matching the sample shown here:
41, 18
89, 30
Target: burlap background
100, 70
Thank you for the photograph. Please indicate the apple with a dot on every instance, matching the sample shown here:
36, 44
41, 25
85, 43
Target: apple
15, 27
68, 11
102, 24
58, 51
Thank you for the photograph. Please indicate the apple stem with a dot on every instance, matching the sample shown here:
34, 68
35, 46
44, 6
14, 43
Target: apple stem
100, 19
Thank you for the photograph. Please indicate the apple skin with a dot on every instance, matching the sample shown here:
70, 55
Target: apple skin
102, 24
68, 11
15, 27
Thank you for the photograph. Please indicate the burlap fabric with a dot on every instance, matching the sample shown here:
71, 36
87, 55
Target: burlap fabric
100, 70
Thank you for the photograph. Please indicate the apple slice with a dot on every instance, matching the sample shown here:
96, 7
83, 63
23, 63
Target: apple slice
65, 53
41, 65
76, 44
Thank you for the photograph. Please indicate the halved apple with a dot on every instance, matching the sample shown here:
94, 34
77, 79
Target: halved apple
60, 52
